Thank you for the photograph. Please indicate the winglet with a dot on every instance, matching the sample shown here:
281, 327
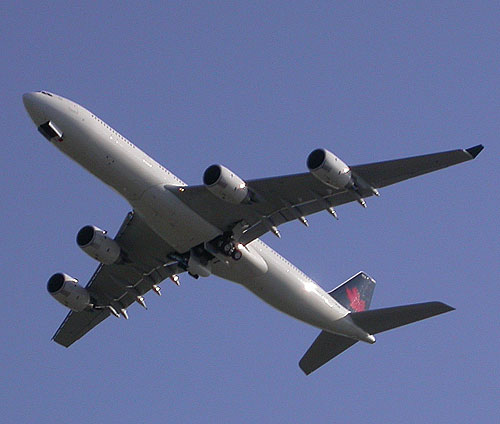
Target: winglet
474, 151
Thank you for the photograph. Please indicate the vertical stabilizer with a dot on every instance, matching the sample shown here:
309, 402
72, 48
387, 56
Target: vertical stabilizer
356, 293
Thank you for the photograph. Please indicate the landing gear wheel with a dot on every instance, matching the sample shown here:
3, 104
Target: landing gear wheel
236, 255
228, 248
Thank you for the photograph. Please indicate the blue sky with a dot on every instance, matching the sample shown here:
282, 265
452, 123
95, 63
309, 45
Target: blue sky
256, 87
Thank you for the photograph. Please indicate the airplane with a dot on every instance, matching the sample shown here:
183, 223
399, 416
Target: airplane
214, 229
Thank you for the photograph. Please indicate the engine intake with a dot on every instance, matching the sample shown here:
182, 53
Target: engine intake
225, 184
95, 243
65, 290
329, 169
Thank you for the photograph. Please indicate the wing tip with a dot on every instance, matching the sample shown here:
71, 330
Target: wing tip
60, 342
474, 151
446, 308
305, 369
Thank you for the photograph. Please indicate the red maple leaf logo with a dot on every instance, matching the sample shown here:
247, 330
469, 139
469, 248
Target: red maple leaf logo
355, 301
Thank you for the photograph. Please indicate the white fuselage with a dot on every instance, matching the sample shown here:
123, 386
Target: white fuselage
142, 181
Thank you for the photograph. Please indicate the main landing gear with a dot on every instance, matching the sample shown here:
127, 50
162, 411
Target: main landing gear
228, 247
198, 262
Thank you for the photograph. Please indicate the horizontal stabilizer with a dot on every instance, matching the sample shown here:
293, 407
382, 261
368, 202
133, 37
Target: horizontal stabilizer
380, 320
326, 347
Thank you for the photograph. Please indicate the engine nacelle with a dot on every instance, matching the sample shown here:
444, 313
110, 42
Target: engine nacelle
95, 243
65, 290
225, 184
329, 169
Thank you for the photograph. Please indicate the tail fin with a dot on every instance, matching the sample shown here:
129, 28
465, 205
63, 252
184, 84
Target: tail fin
356, 293
327, 345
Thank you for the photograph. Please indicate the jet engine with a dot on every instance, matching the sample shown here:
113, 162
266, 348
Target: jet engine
65, 290
95, 243
225, 184
329, 169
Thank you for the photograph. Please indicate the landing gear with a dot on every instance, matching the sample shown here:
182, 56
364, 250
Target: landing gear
226, 245
236, 255
228, 248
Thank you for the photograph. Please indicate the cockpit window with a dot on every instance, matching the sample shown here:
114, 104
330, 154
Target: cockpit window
46, 93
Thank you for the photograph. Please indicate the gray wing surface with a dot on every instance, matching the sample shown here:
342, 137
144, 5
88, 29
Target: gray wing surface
382, 174
286, 198
118, 285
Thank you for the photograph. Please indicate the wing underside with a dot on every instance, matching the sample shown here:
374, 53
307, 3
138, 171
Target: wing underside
287, 198
119, 285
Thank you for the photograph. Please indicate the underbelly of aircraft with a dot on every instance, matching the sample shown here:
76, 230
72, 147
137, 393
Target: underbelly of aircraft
172, 220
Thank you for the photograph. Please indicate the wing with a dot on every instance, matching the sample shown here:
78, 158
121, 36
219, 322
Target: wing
286, 198
119, 285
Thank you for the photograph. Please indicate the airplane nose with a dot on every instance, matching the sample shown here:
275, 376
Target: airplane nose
33, 105
29, 100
